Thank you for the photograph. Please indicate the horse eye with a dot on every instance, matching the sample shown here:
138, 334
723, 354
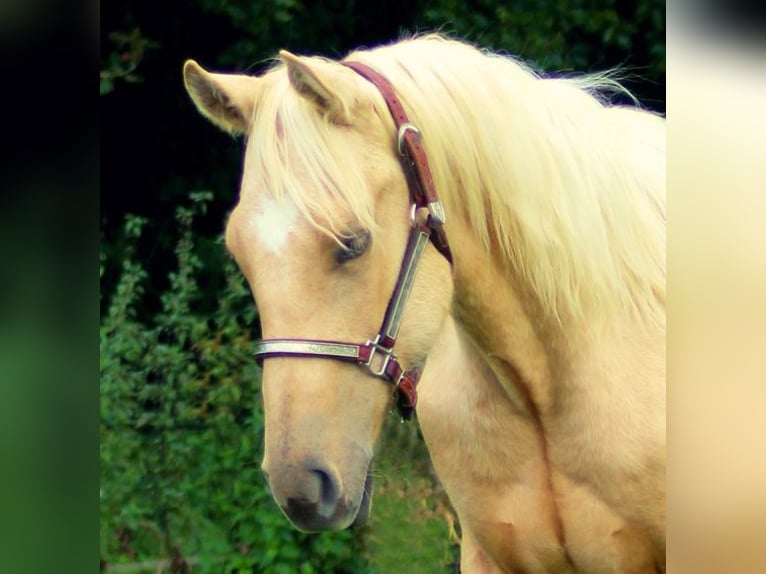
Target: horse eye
352, 247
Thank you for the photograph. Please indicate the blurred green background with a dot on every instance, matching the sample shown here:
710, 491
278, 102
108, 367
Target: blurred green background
180, 423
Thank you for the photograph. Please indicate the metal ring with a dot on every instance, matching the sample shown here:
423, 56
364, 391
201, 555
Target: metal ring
376, 347
413, 213
403, 129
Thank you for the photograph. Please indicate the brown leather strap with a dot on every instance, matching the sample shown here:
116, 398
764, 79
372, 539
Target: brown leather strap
422, 188
339, 350
387, 367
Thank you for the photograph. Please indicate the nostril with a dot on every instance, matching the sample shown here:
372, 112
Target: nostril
329, 491
311, 494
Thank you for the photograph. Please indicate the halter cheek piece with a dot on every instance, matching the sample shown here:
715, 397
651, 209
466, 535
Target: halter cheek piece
377, 355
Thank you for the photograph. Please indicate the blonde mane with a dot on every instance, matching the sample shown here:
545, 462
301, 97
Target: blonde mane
566, 190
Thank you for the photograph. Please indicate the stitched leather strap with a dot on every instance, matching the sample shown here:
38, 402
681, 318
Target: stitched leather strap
387, 367
351, 352
422, 188
392, 319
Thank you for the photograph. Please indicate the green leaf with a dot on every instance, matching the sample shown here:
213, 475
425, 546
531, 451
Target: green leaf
106, 85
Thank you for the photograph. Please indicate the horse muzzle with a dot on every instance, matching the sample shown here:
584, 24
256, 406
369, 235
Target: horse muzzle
313, 496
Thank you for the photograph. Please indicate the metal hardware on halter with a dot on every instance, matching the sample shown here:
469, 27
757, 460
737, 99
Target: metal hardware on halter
395, 311
436, 209
403, 129
388, 356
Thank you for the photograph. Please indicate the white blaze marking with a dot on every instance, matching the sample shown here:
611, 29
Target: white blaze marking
274, 222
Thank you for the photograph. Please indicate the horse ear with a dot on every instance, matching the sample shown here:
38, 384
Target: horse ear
225, 99
313, 83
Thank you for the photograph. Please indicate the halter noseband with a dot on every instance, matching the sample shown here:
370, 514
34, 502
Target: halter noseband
377, 355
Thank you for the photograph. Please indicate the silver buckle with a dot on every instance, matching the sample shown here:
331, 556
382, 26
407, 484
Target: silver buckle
436, 209
413, 215
403, 129
377, 347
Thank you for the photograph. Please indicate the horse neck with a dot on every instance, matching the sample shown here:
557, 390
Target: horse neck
529, 352
524, 349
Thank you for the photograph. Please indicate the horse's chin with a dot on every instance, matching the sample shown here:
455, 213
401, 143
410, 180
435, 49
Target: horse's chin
366, 504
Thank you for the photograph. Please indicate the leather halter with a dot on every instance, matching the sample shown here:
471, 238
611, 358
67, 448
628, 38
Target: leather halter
377, 355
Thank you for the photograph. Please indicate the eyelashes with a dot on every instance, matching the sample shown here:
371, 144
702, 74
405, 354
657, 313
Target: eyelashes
352, 247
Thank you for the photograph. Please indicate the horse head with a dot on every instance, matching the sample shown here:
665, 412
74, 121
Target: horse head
322, 224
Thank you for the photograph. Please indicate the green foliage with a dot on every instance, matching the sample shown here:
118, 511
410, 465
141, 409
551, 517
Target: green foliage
323, 27
556, 36
412, 522
123, 60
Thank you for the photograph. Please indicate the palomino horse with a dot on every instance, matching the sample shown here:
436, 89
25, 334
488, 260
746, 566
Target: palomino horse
509, 231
